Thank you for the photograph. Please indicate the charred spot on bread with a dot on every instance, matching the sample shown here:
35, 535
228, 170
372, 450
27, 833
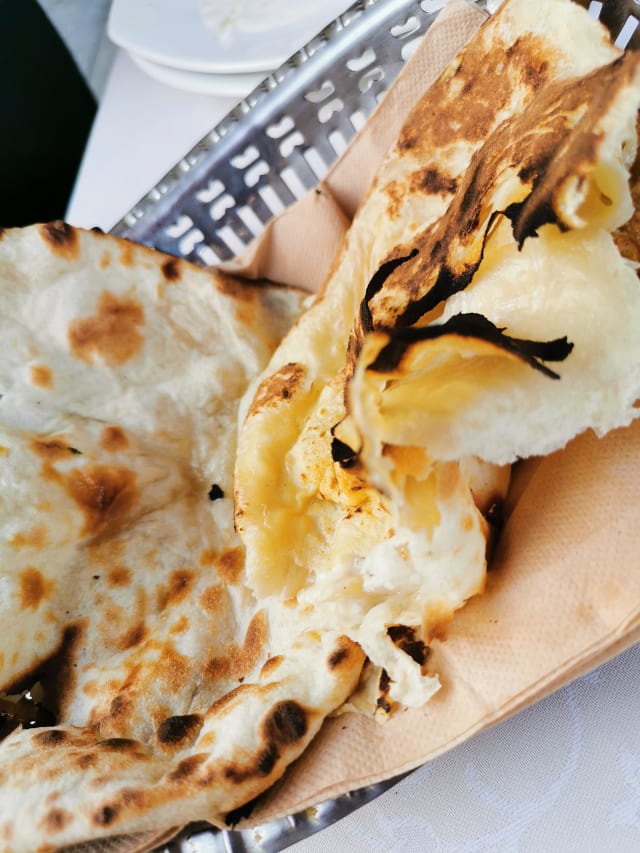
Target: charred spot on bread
242, 812
286, 723
406, 638
187, 767
281, 385
336, 658
384, 686
56, 820
267, 759
375, 285
342, 653
51, 737
230, 564
171, 269
61, 237
118, 744
106, 815
179, 729
215, 492
34, 588
342, 454
472, 325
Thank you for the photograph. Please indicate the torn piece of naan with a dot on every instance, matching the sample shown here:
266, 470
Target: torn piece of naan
519, 282
177, 695
480, 312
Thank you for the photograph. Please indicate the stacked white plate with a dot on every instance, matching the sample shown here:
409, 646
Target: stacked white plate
221, 47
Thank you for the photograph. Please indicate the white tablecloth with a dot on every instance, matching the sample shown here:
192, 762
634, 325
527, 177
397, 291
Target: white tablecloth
561, 776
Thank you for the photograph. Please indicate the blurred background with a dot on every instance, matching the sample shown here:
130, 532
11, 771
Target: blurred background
54, 59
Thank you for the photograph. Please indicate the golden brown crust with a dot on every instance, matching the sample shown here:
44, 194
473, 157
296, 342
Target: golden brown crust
61, 238
474, 91
283, 385
114, 439
541, 148
41, 376
239, 660
627, 237
113, 333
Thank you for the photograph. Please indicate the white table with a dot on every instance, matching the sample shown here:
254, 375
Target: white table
561, 776
141, 129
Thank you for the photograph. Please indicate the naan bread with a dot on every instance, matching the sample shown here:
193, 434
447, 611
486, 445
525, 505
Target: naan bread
186, 676
525, 244
480, 312
178, 696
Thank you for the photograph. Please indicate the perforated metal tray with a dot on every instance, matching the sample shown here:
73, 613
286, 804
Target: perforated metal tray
276, 834
265, 154
282, 138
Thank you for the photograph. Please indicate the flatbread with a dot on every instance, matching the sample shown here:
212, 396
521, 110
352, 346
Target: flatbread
120, 379
187, 678
177, 695
480, 312
529, 248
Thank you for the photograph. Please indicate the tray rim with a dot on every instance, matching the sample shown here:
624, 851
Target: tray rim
175, 182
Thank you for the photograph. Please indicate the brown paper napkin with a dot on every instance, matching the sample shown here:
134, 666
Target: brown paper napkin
563, 594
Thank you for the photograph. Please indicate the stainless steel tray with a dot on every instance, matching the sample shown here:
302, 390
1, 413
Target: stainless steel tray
281, 139
265, 154
276, 834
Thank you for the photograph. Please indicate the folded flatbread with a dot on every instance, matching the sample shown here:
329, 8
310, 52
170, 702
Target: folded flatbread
121, 583
184, 676
480, 312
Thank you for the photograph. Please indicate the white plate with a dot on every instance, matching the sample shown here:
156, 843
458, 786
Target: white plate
174, 32
229, 85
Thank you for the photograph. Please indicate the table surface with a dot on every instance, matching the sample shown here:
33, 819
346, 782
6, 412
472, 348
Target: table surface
563, 775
